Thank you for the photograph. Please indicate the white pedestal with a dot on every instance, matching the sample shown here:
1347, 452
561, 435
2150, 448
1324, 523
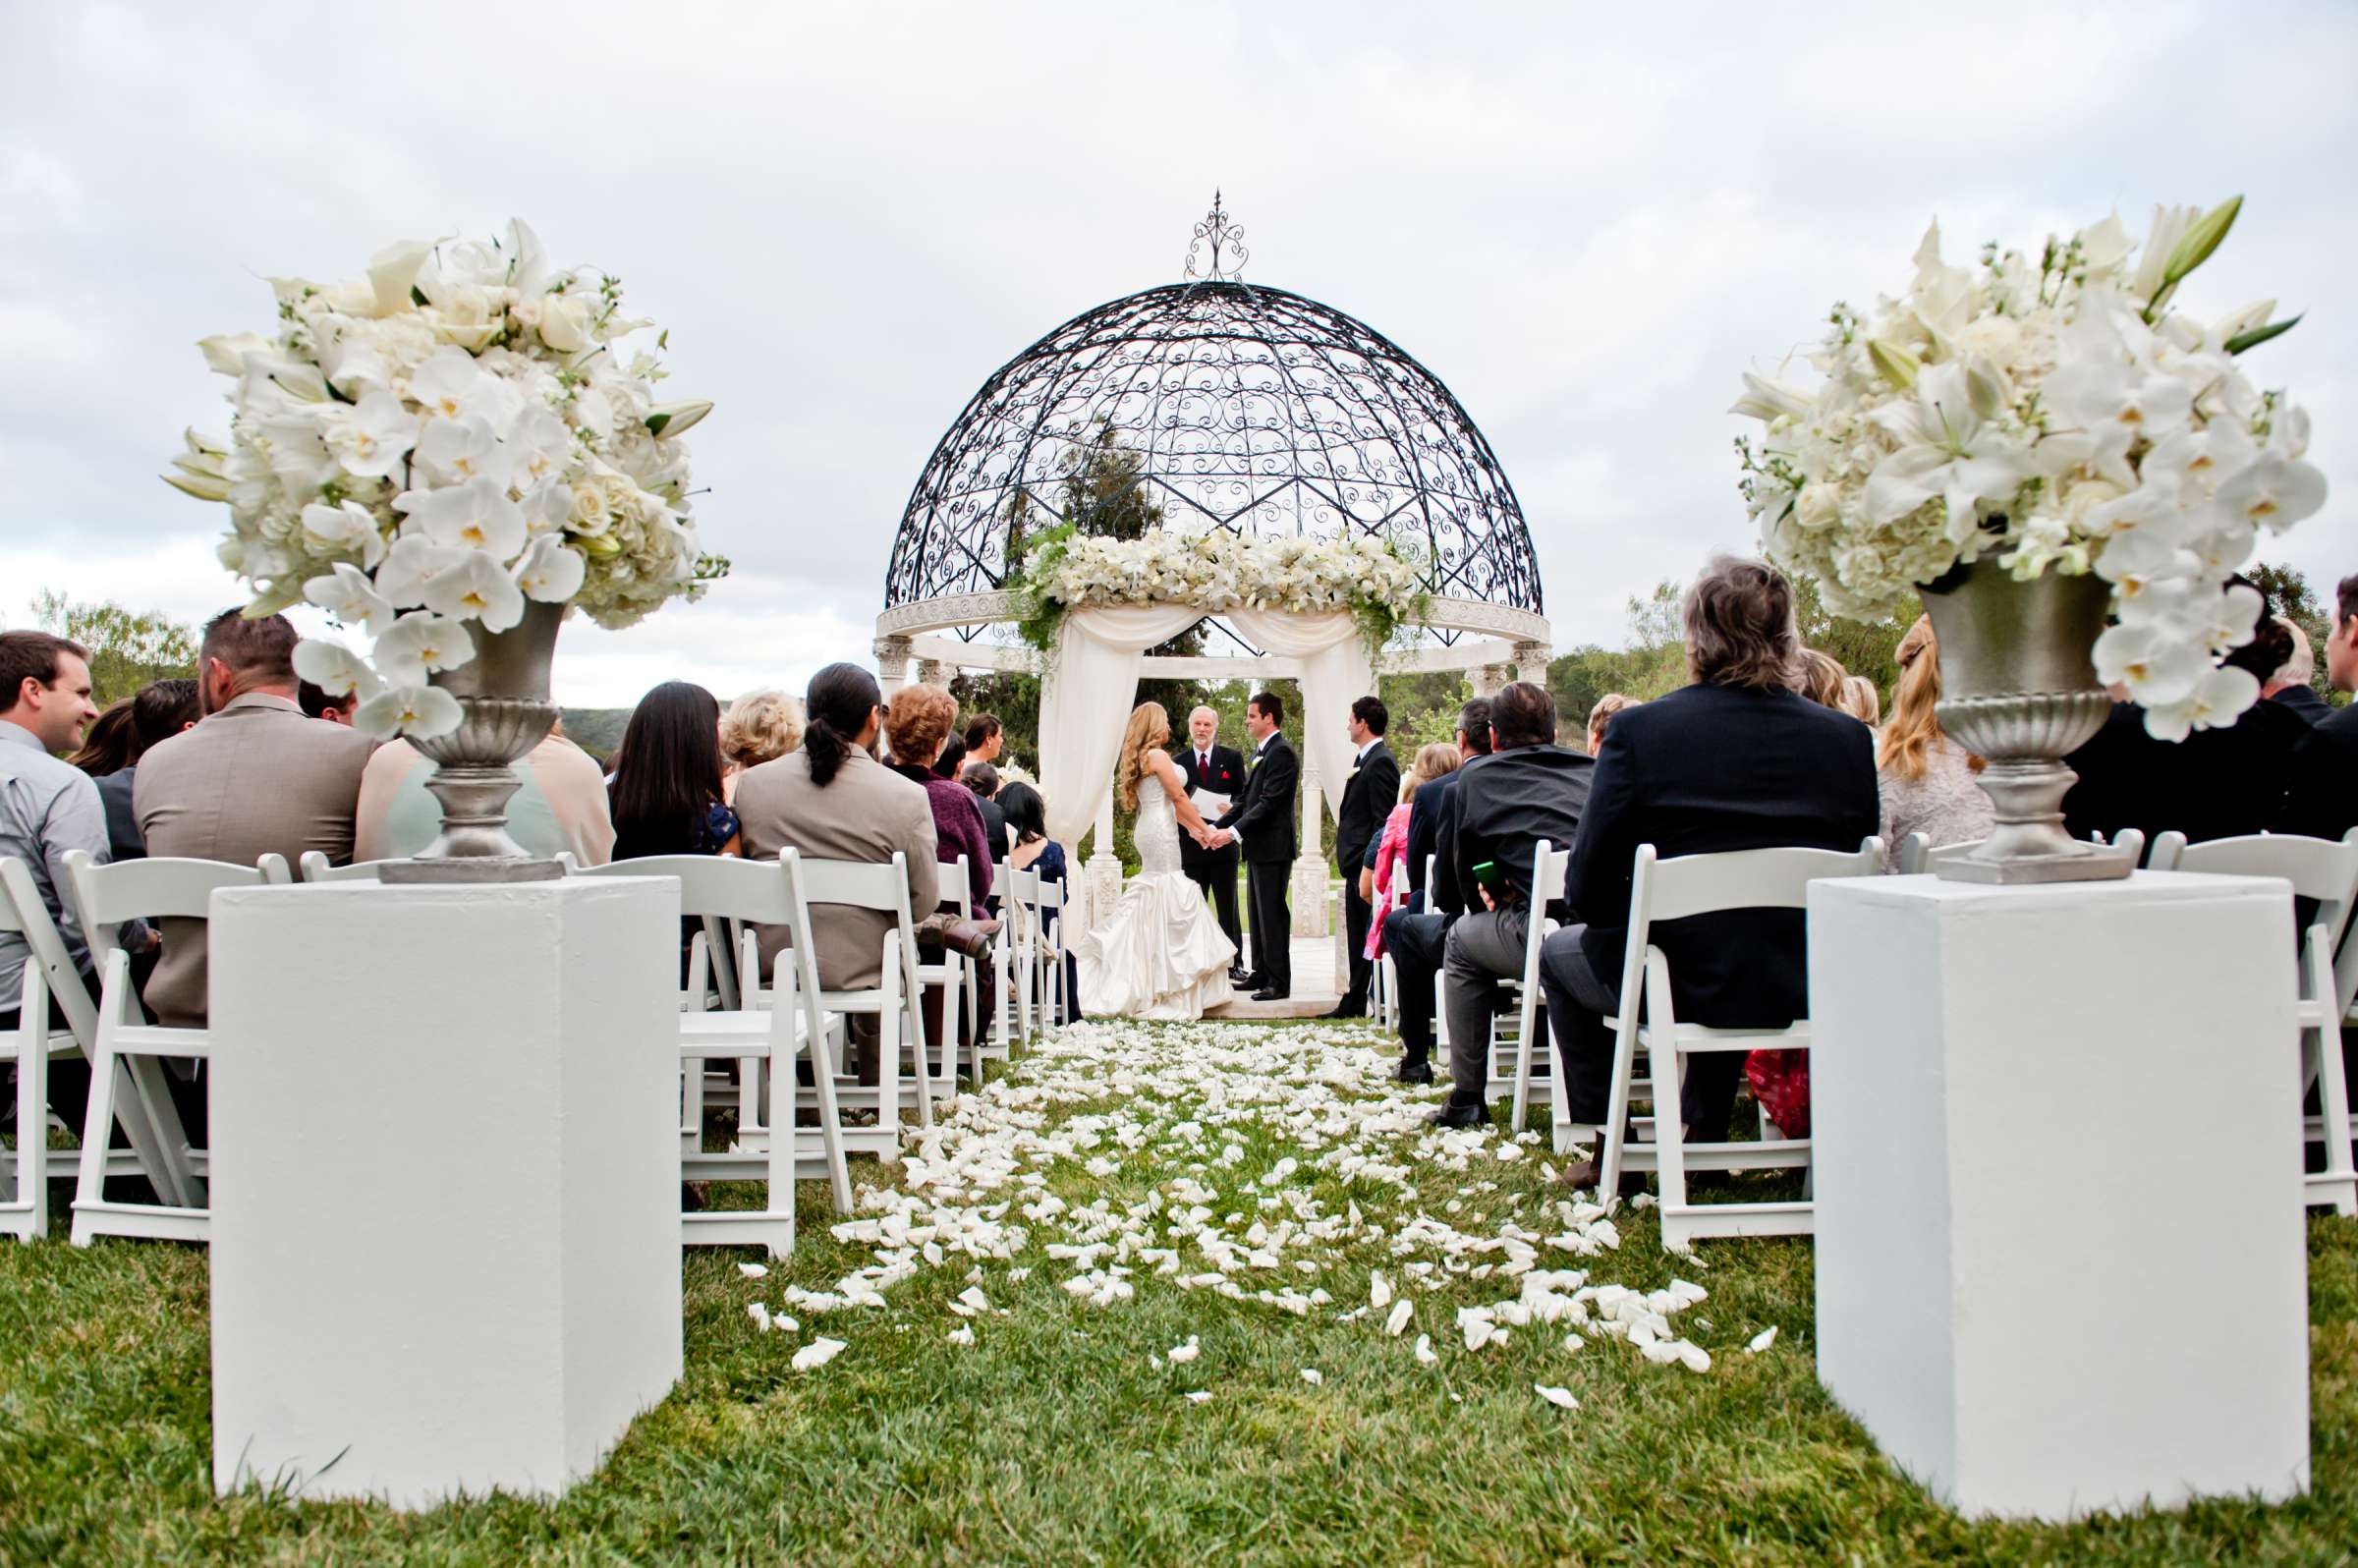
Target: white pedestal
2060, 1255
445, 1182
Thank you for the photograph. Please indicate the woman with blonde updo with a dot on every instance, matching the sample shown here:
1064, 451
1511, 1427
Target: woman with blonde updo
1924, 778
759, 727
1160, 954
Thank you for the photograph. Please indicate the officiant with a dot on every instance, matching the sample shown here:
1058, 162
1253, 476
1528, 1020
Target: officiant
1214, 770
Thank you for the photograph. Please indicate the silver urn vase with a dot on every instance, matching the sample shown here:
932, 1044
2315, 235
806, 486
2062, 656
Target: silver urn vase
2019, 689
504, 692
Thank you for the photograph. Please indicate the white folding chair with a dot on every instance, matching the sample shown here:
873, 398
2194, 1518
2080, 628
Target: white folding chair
1386, 986
1918, 854
761, 1033
1671, 890
1549, 866
105, 897
1047, 950
995, 1044
315, 869
893, 1000
1020, 903
2326, 870
954, 978
25, 1174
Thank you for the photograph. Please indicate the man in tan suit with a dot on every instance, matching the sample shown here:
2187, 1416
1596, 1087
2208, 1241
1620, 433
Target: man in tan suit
833, 801
253, 777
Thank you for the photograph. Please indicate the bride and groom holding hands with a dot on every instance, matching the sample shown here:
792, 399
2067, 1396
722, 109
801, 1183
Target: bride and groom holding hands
1161, 955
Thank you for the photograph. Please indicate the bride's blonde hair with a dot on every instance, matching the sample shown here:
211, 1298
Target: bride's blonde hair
1149, 727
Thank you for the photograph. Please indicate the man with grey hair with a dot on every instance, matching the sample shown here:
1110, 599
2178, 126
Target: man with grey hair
2291, 685
1220, 771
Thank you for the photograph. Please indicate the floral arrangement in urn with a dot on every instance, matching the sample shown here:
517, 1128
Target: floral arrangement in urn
422, 451
2062, 416
1378, 584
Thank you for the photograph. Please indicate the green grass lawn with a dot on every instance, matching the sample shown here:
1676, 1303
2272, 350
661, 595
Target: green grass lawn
1062, 1434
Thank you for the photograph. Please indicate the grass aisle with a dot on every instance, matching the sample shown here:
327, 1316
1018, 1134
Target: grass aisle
1123, 1192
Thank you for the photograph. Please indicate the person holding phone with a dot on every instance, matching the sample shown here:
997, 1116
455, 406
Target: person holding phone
1529, 789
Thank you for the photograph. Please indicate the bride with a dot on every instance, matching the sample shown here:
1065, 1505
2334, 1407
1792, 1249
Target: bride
1161, 955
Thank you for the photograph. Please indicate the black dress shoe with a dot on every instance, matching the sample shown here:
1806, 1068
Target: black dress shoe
1412, 1071
1243, 976
1461, 1114
1347, 1009
1270, 994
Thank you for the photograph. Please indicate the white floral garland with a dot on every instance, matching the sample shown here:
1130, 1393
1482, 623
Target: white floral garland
437, 443
2063, 416
1372, 579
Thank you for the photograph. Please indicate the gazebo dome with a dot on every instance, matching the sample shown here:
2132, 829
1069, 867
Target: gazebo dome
1226, 406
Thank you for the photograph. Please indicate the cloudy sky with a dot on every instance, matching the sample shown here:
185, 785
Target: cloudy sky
1586, 224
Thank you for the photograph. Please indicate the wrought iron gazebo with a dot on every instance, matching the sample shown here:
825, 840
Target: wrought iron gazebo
1239, 407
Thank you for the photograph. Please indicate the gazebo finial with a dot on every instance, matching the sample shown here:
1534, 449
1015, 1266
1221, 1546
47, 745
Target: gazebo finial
1227, 244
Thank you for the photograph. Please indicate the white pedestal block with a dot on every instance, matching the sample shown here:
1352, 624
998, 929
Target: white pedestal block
445, 1182
2060, 1255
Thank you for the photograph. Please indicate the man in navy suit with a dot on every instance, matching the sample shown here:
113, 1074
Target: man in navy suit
1210, 765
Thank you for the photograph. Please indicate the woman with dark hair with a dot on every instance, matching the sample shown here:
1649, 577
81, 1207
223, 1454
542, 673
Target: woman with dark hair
158, 711
831, 800
665, 793
1032, 849
107, 746
953, 753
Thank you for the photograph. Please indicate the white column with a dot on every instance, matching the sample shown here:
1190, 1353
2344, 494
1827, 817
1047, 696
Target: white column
892, 665
1308, 891
1489, 679
1105, 865
2061, 1261
1531, 664
445, 1182
934, 672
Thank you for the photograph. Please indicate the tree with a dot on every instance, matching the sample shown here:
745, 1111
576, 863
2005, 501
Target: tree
127, 649
1863, 647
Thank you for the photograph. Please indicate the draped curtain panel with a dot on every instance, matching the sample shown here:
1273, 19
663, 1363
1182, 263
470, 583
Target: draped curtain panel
1093, 683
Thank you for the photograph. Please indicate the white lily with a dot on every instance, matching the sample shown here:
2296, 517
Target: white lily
476, 587
374, 437
225, 351
268, 377
1768, 399
2170, 226
421, 713
1949, 451
476, 515
2103, 246
347, 594
550, 571
336, 669
421, 644
393, 272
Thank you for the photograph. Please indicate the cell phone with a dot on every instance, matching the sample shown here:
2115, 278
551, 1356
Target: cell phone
1490, 876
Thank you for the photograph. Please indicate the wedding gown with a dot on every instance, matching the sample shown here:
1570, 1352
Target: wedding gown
1161, 955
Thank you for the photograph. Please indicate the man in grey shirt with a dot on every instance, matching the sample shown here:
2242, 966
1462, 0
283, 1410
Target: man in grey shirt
47, 807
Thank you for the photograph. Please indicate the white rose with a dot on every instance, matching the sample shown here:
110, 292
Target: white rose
565, 323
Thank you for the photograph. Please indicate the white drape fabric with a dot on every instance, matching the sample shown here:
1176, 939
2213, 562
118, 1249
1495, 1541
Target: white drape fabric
1336, 671
1093, 683
1087, 694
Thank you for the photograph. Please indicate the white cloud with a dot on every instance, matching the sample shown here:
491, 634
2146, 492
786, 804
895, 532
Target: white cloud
1585, 223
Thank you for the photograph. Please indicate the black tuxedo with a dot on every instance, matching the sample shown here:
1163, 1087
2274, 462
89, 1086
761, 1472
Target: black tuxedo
1368, 795
2302, 699
1702, 770
1215, 870
2216, 783
1266, 822
2322, 799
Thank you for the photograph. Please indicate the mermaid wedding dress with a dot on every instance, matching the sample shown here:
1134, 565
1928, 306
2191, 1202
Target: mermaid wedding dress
1161, 955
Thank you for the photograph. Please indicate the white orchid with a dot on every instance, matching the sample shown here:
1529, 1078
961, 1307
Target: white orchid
351, 598
460, 451
476, 587
449, 385
550, 570
475, 515
421, 643
335, 669
2272, 493
419, 712
374, 437
347, 527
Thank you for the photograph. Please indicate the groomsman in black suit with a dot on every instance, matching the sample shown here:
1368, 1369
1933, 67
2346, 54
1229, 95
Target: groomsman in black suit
1264, 822
1369, 792
1208, 765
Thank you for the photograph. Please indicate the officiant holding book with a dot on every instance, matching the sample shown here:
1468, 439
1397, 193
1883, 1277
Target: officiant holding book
1215, 777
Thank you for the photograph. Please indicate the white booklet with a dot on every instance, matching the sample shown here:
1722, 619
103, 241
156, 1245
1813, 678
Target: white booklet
1214, 807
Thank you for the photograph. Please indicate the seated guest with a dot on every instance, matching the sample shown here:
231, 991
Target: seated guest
160, 710
253, 777
952, 757
106, 746
983, 780
560, 808
831, 800
1416, 937
1861, 700
47, 807
665, 795
1666, 779
1925, 780
1387, 856
1527, 789
2321, 798
1426, 811
759, 727
1820, 677
316, 703
1033, 850
1602, 714
984, 737
2216, 783
919, 725
2291, 685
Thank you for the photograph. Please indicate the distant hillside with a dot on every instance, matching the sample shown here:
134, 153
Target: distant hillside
596, 730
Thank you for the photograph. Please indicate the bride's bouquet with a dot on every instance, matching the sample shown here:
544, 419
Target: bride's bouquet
434, 444
2062, 415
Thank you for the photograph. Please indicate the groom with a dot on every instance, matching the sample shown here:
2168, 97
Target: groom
1264, 822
